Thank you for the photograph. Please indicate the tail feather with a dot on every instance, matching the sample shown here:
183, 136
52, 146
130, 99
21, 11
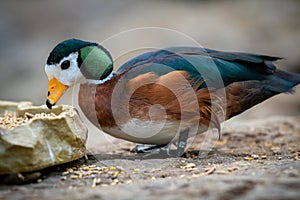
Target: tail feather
246, 94
284, 81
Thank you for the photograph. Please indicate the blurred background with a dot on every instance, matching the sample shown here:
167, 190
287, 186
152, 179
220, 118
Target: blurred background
30, 29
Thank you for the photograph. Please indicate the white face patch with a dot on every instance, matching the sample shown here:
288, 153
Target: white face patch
68, 77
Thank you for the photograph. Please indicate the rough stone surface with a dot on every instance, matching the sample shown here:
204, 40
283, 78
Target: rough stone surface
46, 138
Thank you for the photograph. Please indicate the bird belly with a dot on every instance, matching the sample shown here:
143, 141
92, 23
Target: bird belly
149, 132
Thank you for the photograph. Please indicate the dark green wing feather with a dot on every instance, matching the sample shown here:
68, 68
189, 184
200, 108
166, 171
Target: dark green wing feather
203, 64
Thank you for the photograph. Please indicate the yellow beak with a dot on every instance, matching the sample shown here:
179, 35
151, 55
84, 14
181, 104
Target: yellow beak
55, 90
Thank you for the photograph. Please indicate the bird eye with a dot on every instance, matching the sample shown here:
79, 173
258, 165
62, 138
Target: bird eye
65, 64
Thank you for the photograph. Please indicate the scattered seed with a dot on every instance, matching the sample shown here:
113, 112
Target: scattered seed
275, 149
129, 181
96, 181
190, 165
209, 171
295, 154
221, 172
21, 177
28, 115
221, 142
263, 157
254, 156
136, 170
232, 169
190, 169
65, 173
115, 174
10, 120
74, 177
290, 149
100, 175
115, 181
39, 180
94, 172
196, 175
248, 158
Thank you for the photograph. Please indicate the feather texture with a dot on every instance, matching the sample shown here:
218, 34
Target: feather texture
183, 84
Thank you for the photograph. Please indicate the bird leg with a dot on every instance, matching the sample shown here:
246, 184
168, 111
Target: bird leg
182, 142
165, 148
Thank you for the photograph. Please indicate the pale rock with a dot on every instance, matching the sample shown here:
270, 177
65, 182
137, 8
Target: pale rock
43, 141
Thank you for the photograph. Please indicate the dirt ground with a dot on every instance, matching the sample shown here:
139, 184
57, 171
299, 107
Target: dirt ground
253, 160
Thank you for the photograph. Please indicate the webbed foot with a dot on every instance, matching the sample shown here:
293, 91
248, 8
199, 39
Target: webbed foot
145, 148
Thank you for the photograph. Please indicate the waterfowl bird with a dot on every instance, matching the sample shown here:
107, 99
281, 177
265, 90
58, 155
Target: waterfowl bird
166, 95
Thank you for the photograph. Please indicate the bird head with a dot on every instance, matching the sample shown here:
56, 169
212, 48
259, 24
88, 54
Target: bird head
75, 61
